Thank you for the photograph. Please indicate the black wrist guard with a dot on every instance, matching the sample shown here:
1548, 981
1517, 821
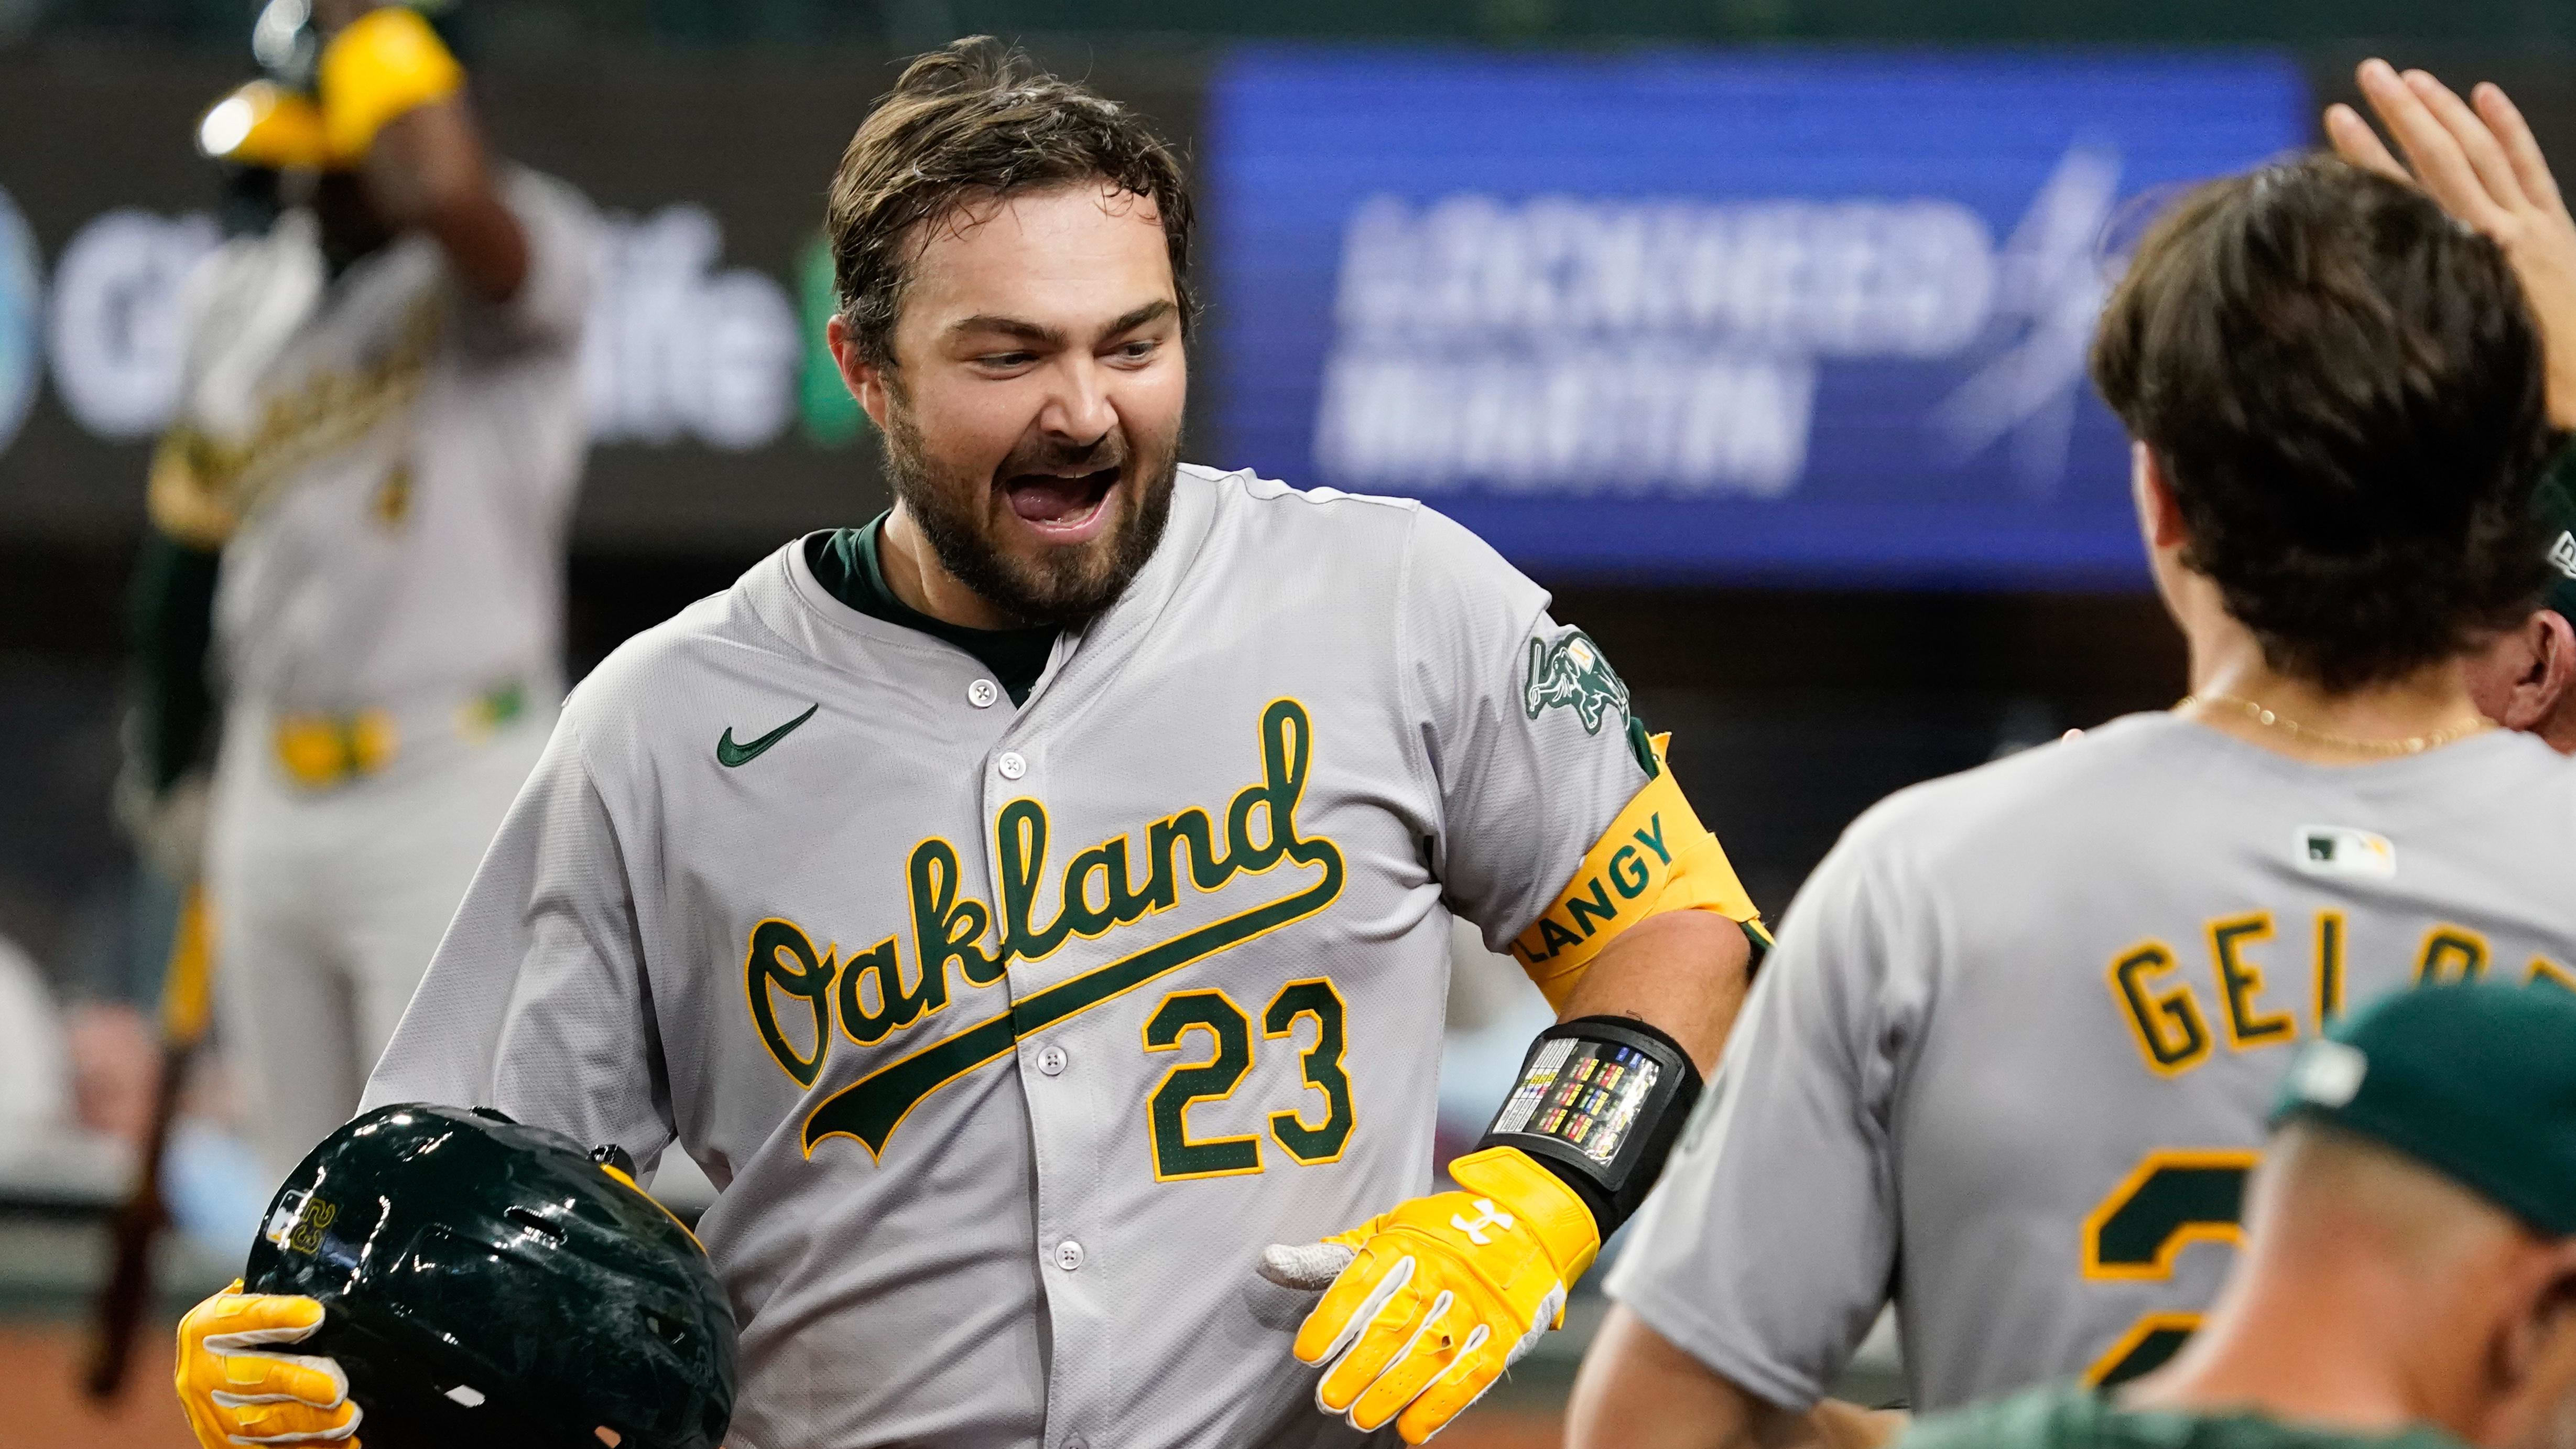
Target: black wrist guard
1600, 1100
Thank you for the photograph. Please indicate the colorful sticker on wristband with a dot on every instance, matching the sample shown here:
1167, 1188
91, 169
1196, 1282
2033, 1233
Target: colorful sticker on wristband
1583, 1093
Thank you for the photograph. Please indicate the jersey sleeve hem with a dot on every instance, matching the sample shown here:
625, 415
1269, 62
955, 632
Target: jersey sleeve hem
1687, 1328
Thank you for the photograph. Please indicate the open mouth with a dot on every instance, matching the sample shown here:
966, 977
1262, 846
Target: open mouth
1059, 504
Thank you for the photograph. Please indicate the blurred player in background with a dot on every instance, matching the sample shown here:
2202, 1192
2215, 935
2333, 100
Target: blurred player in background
2409, 1262
2015, 1050
2479, 160
361, 506
161, 793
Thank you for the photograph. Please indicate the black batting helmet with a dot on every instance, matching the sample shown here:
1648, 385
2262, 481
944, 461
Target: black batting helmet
493, 1284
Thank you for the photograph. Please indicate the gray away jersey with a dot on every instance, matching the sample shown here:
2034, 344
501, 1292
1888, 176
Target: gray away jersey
402, 457
1011, 1037
2011, 1060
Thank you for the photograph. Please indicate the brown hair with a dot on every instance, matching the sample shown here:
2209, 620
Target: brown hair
974, 121
2343, 388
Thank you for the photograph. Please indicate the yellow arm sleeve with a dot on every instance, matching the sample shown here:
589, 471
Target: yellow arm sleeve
1655, 857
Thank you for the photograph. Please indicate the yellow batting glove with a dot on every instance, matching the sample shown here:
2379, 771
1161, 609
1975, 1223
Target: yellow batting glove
1429, 1303
382, 64
234, 1392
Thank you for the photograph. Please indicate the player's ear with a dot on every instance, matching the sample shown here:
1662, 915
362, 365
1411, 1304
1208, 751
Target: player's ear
2533, 1352
2535, 1362
2523, 676
865, 380
2553, 670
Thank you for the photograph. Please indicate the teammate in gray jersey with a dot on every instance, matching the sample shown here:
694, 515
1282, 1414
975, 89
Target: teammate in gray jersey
1033, 909
2011, 1062
2409, 1254
368, 481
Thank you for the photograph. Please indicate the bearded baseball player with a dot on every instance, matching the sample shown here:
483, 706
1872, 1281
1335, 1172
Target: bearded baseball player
2012, 1062
1032, 908
379, 436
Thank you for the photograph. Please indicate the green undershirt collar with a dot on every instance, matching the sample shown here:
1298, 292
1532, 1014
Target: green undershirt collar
845, 562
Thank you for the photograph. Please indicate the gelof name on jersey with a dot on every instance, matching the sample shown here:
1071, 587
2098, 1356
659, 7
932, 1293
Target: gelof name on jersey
2241, 989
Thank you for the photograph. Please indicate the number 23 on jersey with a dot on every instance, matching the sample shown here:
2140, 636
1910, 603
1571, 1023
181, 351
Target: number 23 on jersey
1228, 1033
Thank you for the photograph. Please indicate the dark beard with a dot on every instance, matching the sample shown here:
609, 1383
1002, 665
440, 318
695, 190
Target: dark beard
1068, 586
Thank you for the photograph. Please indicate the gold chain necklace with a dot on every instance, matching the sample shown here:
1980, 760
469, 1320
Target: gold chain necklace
2411, 745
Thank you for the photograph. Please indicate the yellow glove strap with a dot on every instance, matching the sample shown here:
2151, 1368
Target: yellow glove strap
261, 124
1540, 1200
382, 64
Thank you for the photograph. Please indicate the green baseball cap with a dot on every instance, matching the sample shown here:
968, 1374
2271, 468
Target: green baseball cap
2476, 1080
2555, 501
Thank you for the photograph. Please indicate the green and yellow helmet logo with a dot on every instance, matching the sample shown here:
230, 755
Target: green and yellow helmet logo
1571, 671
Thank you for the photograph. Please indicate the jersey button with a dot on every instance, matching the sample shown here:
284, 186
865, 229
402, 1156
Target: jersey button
1011, 765
1068, 1255
982, 693
1051, 1061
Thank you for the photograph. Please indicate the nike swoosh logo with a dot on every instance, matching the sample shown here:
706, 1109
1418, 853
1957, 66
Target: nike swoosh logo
730, 755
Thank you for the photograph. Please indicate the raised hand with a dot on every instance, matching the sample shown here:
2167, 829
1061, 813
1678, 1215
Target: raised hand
2477, 159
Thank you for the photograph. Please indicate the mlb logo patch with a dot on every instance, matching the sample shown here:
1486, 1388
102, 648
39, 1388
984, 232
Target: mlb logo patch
281, 1218
2342, 850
